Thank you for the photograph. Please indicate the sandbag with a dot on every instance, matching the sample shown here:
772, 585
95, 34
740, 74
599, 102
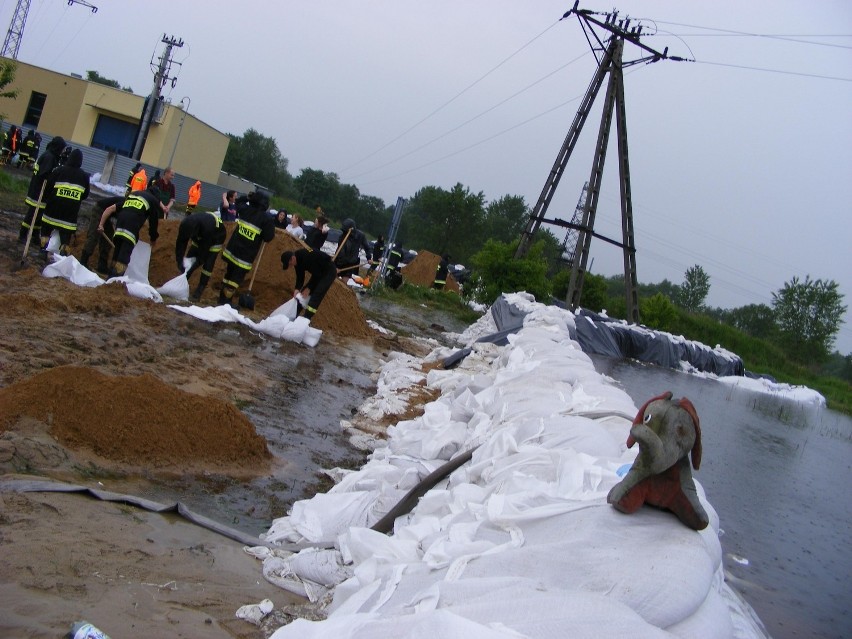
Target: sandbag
177, 287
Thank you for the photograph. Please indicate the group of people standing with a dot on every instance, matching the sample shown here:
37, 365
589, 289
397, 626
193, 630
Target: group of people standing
19, 148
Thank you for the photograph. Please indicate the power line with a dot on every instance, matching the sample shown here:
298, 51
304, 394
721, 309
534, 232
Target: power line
450, 101
733, 32
476, 117
806, 75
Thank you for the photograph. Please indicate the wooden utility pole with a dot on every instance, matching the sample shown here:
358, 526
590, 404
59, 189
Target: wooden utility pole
161, 76
610, 63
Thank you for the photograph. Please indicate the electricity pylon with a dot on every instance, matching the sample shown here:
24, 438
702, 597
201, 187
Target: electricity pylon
609, 53
12, 43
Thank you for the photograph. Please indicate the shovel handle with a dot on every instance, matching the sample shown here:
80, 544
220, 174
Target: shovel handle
256, 266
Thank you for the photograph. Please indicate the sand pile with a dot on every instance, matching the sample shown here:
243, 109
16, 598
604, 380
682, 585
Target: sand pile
339, 313
421, 271
134, 420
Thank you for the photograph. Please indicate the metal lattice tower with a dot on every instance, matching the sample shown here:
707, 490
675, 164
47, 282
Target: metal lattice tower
12, 43
608, 51
569, 244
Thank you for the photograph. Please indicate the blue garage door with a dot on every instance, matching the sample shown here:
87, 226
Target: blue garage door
114, 135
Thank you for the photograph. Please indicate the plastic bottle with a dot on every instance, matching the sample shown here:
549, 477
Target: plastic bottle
85, 630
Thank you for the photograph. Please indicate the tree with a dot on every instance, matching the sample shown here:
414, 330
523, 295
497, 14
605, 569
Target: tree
757, 320
658, 312
505, 218
256, 157
692, 293
445, 221
8, 68
594, 296
315, 187
94, 76
808, 314
495, 271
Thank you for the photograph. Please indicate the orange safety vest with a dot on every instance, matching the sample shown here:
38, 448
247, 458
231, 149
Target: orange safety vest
139, 181
194, 193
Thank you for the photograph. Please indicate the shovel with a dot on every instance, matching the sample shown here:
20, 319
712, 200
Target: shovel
32, 224
247, 299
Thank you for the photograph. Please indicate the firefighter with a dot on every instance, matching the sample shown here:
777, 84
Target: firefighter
378, 251
194, 196
103, 217
137, 207
441, 273
10, 144
65, 190
204, 233
254, 226
128, 185
27, 151
392, 275
322, 271
41, 171
139, 181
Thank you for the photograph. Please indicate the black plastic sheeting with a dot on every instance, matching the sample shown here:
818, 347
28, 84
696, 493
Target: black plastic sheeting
47, 486
604, 336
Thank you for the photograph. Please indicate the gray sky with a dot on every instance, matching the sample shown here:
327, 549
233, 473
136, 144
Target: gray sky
740, 169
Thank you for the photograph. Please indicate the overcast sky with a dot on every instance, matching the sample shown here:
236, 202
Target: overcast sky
740, 162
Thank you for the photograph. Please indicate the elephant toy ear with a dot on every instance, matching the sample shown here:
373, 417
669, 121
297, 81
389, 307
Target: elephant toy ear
641, 414
686, 405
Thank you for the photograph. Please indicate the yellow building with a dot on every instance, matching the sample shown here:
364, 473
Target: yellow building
91, 114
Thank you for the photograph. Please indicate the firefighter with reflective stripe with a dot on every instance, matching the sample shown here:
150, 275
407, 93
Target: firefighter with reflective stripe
41, 170
194, 196
204, 233
139, 181
378, 251
100, 232
10, 144
392, 275
28, 150
441, 273
64, 192
322, 271
137, 207
254, 226
129, 183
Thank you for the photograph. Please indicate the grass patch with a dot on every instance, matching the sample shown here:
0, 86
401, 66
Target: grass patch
412, 296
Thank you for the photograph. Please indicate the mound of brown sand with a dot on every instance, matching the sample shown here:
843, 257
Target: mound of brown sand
135, 420
339, 313
421, 271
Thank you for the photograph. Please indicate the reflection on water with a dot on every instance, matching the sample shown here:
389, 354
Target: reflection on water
778, 473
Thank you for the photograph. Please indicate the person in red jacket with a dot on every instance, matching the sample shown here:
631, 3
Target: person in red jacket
194, 196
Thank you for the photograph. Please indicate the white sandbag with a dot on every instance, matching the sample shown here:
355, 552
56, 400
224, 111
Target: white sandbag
140, 260
53, 243
254, 613
188, 262
69, 268
143, 290
177, 287
295, 330
312, 336
288, 309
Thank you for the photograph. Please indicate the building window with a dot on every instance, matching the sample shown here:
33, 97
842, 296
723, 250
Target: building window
34, 109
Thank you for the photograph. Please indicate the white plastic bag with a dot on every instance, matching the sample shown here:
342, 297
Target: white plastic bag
140, 259
288, 309
177, 287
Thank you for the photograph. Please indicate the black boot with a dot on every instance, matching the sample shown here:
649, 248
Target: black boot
196, 294
84, 258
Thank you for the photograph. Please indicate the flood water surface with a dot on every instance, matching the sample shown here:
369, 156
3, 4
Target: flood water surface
778, 473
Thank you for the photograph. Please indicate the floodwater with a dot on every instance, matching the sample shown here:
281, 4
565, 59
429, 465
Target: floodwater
778, 473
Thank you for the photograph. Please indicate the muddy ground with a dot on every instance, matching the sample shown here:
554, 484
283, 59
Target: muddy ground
104, 390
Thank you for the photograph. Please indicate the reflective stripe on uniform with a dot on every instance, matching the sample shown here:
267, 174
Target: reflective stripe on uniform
62, 224
247, 230
31, 202
69, 191
128, 235
227, 255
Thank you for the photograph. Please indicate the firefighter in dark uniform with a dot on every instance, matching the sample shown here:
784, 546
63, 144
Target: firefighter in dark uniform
103, 217
41, 170
204, 233
27, 152
392, 275
137, 207
322, 271
65, 190
254, 226
441, 273
378, 251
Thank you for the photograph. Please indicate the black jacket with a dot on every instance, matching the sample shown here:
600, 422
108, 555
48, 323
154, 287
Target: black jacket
254, 226
43, 168
64, 192
315, 263
138, 206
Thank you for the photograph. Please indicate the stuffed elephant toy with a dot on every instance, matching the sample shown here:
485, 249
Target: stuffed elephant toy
667, 431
